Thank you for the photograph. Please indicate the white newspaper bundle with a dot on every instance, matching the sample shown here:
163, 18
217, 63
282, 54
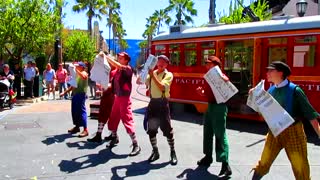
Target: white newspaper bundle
100, 71
277, 118
151, 62
73, 75
222, 90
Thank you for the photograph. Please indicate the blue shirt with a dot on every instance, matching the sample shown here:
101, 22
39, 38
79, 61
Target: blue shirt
49, 75
29, 73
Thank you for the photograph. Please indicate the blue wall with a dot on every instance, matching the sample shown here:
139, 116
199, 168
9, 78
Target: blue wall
133, 49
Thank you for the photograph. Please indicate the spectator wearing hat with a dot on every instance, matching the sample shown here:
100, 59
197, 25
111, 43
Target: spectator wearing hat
121, 109
78, 107
18, 73
293, 139
29, 74
158, 111
215, 125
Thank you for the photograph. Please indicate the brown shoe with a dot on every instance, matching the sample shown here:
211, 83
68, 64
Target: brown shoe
83, 134
74, 130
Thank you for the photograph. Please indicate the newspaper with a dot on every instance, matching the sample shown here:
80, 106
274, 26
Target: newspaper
151, 62
100, 71
222, 90
73, 76
277, 118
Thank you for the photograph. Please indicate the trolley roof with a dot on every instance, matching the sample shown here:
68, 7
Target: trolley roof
297, 23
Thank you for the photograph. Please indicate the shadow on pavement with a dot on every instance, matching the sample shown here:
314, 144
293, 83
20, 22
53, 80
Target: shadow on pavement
90, 160
197, 173
83, 145
56, 139
136, 169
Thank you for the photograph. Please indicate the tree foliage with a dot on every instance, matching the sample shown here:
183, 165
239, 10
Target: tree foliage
93, 8
79, 47
236, 14
26, 26
184, 10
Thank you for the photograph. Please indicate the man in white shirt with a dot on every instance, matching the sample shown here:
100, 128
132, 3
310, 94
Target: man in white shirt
29, 74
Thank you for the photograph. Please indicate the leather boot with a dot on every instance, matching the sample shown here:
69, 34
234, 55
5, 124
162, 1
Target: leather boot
113, 142
135, 150
256, 176
154, 155
174, 160
225, 170
205, 161
96, 138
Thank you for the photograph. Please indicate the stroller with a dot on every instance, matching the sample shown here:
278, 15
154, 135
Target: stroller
7, 96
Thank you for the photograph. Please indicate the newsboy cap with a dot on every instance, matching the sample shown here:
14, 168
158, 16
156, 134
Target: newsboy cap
164, 57
281, 67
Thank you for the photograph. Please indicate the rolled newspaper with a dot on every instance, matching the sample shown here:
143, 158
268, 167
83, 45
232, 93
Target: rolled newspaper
100, 71
151, 62
73, 73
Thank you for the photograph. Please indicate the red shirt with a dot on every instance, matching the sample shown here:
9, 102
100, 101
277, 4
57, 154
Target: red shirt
209, 94
62, 75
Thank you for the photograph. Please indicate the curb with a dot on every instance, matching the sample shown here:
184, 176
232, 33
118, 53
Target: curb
33, 100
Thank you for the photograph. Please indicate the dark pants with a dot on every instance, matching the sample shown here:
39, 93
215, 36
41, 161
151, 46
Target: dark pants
78, 110
17, 87
35, 87
158, 114
28, 89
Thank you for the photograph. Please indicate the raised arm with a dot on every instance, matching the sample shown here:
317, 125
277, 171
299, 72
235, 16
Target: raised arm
115, 63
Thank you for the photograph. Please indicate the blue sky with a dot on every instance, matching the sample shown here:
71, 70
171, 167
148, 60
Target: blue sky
135, 12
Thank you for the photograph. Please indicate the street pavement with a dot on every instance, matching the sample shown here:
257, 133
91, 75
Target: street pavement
34, 144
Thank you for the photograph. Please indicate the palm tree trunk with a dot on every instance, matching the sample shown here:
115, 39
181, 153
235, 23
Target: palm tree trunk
212, 13
90, 25
109, 36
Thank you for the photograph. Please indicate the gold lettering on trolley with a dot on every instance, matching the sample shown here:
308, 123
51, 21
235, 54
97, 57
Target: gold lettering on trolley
189, 81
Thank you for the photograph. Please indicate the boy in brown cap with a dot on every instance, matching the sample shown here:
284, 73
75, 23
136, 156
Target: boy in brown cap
215, 125
293, 139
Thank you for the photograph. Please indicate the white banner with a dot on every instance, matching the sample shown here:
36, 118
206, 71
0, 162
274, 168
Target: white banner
277, 118
222, 90
151, 62
100, 71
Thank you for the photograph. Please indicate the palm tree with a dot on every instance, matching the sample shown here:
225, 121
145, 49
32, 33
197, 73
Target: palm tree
159, 16
212, 12
182, 8
94, 7
113, 10
150, 31
117, 30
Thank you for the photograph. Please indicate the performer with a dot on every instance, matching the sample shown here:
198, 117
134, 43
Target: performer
121, 108
215, 125
158, 111
105, 108
78, 108
293, 139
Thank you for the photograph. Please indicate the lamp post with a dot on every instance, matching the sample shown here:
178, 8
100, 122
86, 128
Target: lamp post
301, 7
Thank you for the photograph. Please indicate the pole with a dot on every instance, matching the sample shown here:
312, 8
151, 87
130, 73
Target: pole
318, 7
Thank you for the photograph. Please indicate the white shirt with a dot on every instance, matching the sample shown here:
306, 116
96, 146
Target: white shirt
282, 84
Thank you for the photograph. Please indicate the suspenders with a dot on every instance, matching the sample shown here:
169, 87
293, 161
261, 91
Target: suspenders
163, 95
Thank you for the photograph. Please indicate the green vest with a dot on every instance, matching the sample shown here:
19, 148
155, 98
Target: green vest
82, 86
